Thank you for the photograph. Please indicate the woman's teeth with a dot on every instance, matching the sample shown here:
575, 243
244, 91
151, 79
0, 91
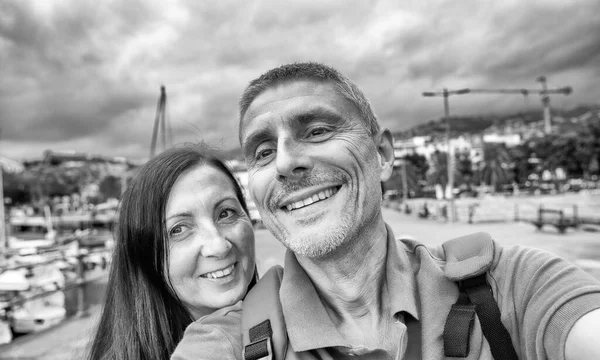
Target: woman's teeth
322, 195
219, 273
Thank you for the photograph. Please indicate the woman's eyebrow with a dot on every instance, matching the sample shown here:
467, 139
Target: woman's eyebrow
180, 214
228, 198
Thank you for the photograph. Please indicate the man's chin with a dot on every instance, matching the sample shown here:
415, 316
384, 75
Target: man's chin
314, 244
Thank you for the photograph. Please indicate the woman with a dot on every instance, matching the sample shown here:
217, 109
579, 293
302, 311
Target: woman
184, 249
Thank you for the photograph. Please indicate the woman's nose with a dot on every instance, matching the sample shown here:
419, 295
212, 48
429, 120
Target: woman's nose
215, 244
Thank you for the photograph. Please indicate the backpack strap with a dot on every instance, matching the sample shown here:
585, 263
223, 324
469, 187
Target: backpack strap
263, 326
468, 259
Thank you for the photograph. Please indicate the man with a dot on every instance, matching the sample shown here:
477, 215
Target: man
316, 159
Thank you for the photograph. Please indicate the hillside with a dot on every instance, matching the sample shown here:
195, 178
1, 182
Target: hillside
477, 124
467, 124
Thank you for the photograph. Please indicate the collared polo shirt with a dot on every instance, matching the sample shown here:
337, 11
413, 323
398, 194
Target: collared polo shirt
540, 297
301, 305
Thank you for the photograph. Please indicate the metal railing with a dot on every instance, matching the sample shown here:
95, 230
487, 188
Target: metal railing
82, 265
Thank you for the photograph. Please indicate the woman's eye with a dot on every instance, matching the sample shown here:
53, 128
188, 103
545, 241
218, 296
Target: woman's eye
226, 213
177, 230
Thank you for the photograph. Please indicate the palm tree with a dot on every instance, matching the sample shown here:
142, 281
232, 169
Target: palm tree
494, 171
438, 171
396, 181
412, 176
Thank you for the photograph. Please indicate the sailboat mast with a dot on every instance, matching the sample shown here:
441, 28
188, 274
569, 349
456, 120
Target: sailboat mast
3, 239
160, 118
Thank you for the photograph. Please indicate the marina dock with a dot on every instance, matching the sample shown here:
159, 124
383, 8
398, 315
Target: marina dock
70, 339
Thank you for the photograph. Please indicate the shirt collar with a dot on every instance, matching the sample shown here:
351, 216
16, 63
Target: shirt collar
400, 277
302, 307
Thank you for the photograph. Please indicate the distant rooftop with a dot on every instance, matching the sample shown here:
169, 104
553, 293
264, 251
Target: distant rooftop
58, 157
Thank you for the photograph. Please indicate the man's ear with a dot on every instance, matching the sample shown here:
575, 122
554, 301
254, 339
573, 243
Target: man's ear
385, 152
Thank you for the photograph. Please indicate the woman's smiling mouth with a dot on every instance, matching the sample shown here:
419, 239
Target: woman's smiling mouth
220, 273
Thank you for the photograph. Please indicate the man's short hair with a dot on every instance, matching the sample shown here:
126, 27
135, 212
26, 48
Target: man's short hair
311, 71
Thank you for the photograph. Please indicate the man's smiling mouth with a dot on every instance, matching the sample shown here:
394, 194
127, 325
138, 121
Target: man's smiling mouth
321, 195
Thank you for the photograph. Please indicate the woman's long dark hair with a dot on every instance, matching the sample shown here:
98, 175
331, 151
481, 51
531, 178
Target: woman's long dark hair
142, 318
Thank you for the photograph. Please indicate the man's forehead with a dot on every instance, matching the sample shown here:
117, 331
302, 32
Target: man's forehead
290, 89
325, 94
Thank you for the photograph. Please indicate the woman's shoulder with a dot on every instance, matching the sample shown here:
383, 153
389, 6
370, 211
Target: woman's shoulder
226, 314
214, 336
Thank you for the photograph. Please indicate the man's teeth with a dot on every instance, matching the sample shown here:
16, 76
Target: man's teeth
322, 195
219, 273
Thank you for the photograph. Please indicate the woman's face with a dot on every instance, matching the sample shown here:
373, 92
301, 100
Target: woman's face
210, 239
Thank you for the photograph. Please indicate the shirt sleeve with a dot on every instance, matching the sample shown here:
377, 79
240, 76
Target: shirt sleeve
215, 336
541, 296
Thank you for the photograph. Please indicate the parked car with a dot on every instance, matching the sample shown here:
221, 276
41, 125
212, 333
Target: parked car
254, 214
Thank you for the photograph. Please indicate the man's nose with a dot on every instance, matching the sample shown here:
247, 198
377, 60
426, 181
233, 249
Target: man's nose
292, 160
214, 244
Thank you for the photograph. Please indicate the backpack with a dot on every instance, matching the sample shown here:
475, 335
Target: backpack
468, 259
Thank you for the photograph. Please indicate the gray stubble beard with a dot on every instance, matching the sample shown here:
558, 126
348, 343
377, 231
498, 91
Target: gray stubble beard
319, 246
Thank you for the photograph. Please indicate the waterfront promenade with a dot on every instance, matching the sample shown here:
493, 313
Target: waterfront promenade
69, 339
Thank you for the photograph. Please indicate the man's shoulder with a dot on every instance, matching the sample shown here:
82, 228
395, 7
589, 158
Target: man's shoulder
468, 245
467, 255
476, 253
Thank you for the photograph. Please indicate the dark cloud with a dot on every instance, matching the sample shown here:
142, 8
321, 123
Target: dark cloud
86, 74
543, 39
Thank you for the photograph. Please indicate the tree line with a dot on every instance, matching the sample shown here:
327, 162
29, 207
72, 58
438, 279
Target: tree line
576, 154
38, 184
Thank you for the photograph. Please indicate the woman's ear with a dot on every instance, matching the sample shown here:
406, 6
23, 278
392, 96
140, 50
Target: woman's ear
385, 153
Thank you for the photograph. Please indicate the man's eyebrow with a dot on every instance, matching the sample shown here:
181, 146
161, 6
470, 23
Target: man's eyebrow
255, 137
320, 113
302, 118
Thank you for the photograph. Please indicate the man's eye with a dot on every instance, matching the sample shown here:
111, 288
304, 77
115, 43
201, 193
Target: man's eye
318, 131
263, 154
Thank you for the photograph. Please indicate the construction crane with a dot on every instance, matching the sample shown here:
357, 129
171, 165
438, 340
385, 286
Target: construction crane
445, 93
161, 124
544, 93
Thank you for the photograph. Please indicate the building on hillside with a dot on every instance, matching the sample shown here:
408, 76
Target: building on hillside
426, 146
415, 145
510, 140
11, 166
71, 160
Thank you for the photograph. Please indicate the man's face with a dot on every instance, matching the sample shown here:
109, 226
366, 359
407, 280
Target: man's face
314, 171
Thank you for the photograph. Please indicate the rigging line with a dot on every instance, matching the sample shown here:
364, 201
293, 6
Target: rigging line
169, 128
162, 115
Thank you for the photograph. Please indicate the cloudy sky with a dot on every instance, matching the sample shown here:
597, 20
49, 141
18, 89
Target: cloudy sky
85, 75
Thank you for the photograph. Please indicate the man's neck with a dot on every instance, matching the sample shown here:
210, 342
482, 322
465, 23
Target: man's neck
351, 283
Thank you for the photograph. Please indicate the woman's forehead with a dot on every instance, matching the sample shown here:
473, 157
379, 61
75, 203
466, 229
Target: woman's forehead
200, 184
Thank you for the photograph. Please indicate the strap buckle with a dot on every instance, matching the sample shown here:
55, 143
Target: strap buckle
260, 347
259, 350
